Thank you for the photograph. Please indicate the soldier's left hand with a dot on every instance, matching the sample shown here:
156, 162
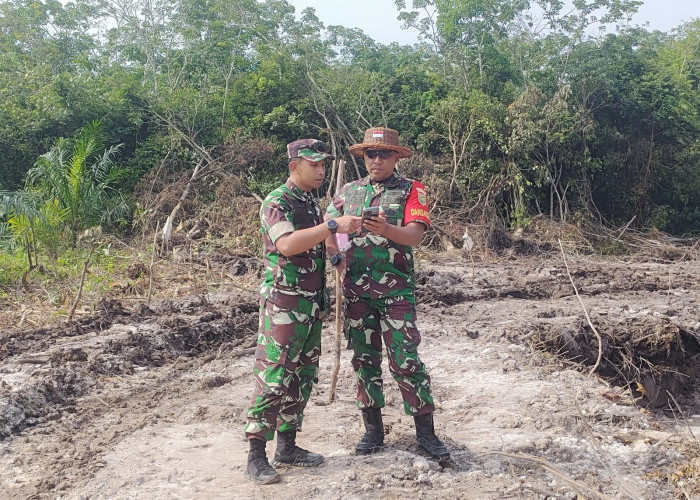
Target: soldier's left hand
376, 225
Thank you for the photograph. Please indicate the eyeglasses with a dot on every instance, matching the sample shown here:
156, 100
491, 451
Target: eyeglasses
384, 154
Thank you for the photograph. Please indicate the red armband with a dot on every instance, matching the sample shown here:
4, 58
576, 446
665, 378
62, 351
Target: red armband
417, 205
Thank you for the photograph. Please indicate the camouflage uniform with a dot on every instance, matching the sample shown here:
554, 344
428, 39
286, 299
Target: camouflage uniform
379, 299
294, 299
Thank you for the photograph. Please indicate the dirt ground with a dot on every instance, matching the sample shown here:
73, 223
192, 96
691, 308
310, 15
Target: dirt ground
140, 401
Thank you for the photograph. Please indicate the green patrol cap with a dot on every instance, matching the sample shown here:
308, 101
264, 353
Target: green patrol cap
311, 149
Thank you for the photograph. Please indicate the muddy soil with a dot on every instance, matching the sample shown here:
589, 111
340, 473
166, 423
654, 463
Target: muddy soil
142, 401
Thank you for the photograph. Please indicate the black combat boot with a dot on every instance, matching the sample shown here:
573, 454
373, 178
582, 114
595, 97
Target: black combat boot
373, 439
288, 453
259, 469
425, 433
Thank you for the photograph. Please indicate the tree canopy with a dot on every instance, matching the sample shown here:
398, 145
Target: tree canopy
531, 100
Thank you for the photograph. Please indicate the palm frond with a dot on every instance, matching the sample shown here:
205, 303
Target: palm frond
104, 167
6, 239
19, 202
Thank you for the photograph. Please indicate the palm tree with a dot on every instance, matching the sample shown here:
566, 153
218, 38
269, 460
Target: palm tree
80, 178
22, 219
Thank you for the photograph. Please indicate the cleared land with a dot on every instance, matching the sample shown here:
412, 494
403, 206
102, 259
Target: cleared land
148, 401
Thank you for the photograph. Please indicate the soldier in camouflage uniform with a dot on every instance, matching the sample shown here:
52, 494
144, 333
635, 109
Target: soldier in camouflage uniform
293, 301
379, 289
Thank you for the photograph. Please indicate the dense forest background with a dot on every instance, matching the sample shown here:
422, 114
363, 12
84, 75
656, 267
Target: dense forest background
517, 109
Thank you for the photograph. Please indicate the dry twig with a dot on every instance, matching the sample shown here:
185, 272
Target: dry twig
585, 311
24, 316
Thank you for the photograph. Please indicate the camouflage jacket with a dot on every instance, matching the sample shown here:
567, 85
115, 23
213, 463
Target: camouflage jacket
296, 282
376, 267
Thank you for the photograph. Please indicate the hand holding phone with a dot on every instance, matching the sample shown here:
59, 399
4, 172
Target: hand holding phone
368, 213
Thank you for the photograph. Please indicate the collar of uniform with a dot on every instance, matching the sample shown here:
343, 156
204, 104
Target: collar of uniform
390, 182
297, 192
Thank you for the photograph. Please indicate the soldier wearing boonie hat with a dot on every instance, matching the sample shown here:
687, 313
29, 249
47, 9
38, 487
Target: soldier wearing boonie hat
293, 302
379, 289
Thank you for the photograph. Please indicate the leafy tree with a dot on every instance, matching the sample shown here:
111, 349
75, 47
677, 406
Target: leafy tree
469, 35
545, 133
470, 131
53, 80
642, 148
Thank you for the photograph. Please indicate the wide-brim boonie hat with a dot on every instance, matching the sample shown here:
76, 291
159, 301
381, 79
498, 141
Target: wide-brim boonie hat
380, 138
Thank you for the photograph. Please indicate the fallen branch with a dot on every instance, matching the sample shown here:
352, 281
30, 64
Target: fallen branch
24, 316
150, 268
685, 419
682, 258
585, 311
34, 359
549, 467
168, 226
625, 228
82, 282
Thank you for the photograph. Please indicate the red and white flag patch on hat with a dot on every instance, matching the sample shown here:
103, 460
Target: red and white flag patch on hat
377, 134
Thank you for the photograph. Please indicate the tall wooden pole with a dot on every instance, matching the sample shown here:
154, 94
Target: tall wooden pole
338, 301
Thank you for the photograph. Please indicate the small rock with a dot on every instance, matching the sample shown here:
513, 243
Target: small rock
421, 464
492, 466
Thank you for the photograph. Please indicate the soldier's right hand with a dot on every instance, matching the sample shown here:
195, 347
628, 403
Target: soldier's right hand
348, 224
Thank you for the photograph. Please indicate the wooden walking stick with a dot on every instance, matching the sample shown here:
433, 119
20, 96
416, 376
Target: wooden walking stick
338, 300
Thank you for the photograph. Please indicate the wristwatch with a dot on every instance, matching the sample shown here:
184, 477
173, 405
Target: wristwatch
332, 225
336, 259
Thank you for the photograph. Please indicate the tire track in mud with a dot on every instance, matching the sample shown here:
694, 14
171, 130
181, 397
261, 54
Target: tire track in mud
119, 406
74, 390
645, 312
44, 371
438, 285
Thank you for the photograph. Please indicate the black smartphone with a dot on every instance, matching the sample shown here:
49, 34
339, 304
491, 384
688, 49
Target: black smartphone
370, 212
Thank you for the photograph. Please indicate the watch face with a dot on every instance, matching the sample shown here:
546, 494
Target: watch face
332, 225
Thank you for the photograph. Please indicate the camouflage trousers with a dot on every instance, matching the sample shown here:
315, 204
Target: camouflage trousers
285, 367
392, 320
